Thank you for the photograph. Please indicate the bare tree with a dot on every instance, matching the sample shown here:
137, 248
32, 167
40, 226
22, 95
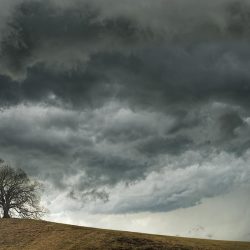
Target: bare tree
19, 196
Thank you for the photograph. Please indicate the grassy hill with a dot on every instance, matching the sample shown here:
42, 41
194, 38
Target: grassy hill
40, 235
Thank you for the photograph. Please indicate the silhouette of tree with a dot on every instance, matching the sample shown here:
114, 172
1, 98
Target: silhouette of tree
19, 195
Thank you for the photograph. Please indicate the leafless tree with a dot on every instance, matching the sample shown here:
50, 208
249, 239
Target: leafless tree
19, 195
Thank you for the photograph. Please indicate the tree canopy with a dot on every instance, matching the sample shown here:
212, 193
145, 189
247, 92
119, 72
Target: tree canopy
19, 195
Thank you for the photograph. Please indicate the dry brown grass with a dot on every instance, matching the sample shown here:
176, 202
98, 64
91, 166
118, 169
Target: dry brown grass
42, 235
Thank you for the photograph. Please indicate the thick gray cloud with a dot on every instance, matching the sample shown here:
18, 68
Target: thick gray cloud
84, 56
143, 105
173, 189
162, 145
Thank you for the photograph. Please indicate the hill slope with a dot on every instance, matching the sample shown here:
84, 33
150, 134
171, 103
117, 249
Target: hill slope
38, 235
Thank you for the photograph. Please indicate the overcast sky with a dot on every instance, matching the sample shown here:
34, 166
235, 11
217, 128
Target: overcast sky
134, 114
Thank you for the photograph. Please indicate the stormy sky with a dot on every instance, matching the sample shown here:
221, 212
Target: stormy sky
135, 115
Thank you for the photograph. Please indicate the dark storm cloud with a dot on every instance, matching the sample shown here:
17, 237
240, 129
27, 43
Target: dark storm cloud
97, 95
113, 168
62, 141
10, 92
38, 32
84, 57
174, 145
230, 122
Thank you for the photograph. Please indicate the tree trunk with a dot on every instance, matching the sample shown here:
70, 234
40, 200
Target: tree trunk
6, 213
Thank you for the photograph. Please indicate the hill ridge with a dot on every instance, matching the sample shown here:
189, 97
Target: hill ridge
16, 234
